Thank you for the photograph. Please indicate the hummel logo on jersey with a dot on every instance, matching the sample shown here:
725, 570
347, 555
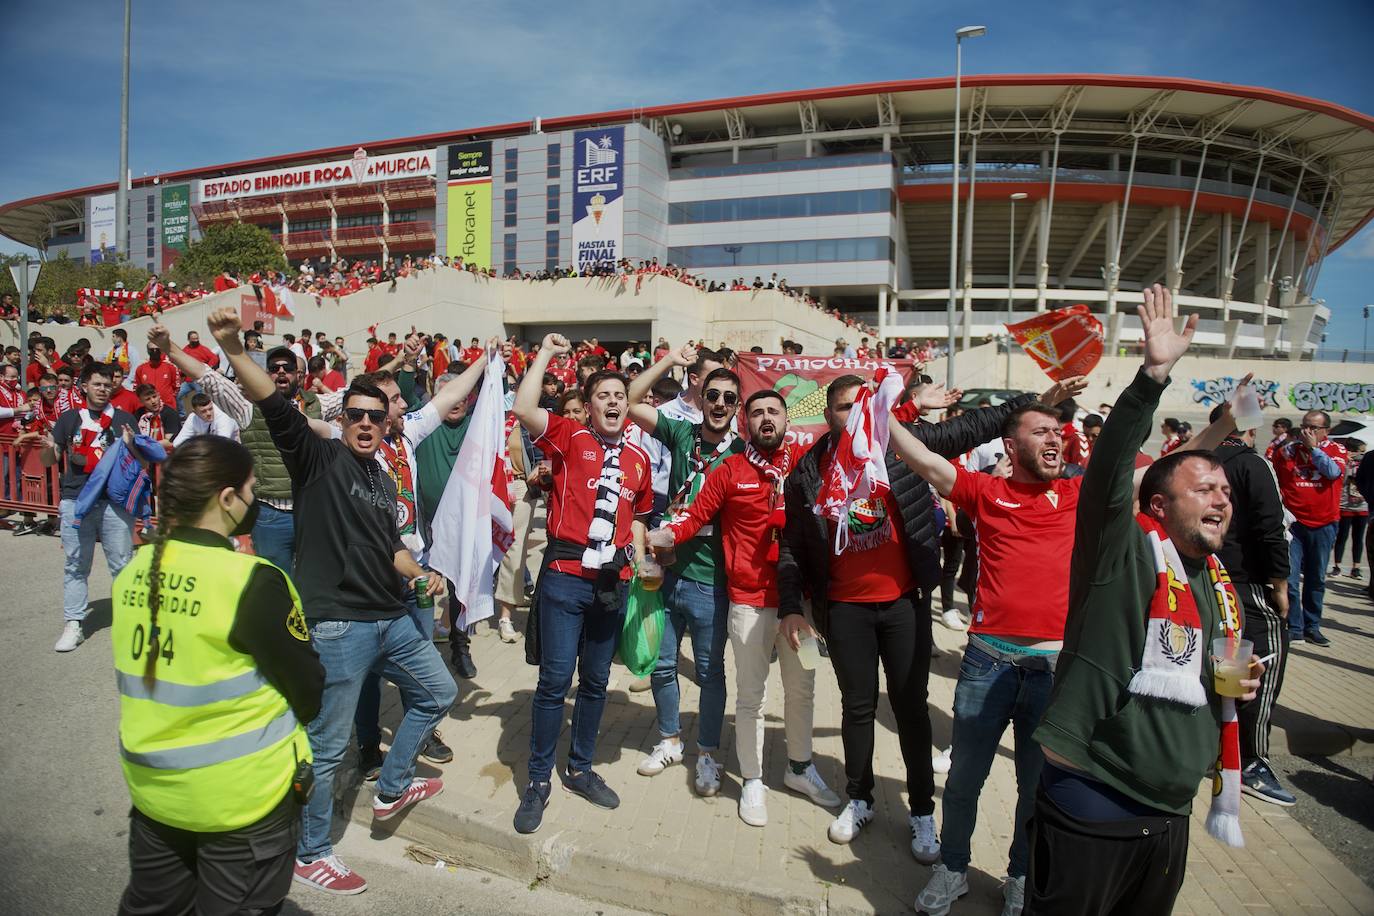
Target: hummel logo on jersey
590, 456
747, 486
1006, 505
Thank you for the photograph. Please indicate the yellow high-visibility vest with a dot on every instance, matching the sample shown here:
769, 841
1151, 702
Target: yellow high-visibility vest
211, 746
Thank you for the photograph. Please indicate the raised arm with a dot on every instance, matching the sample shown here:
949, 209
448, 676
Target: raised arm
526, 408
936, 469
223, 393
188, 365
643, 414
457, 391
225, 327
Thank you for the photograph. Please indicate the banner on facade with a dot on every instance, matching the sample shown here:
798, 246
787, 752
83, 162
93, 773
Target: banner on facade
253, 309
802, 382
176, 222
361, 169
100, 228
598, 197
469, 203
1065, 342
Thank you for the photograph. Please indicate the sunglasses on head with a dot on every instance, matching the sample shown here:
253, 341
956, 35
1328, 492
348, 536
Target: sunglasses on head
281, 367
356, 414
731, 398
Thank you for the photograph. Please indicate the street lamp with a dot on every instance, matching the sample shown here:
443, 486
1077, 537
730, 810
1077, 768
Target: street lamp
968, 31
1011, 271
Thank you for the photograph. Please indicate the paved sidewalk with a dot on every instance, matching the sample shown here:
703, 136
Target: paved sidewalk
667, 850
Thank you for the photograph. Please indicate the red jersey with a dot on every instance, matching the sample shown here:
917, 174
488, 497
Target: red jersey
205, 355
164, 377
333, 380
1025, 541
1170, 444
16, 400
125, 400
576, 453
1076, 447
472, 355
1313, 498
873, 566
373, 362
742, 495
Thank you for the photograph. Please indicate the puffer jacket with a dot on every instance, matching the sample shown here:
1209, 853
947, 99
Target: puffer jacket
806, 539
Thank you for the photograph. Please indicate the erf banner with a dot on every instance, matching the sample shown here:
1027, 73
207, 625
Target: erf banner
176, 222
469, 203
100, 228
802, 382
598, 196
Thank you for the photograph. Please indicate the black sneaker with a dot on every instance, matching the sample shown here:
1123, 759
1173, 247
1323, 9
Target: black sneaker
1295, 636
461, 655
1356, 574
24, 528
435, 750
1317, 639
591, 787
370, 760
1259, 781
530, 814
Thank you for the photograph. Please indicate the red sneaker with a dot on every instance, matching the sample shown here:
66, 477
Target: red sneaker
418, 790
329, 875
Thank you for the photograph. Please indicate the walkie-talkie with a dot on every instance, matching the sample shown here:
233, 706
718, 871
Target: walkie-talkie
303, 780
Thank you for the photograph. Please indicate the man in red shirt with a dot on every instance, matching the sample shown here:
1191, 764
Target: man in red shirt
746, 492
600, 495
123, 398
473, 352
159, 373
328, 379
1311, 472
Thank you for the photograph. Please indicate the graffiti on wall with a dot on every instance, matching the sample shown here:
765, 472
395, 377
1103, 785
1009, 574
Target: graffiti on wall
1334, 397
1213, 391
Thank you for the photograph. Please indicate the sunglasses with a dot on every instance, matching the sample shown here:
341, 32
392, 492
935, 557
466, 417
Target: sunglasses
731, 398
281, 367
356, 414
47, 387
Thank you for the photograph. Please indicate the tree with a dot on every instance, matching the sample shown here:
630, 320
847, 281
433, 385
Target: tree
240, 247
61, 277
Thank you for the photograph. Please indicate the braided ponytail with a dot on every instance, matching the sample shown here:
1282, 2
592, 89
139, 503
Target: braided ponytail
155, 601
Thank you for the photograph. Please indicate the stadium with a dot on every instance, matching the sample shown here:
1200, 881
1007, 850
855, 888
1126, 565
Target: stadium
1084, 188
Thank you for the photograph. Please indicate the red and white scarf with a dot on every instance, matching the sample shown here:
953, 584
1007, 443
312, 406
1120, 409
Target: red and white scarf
92, 439
777, 477
1171, 666
70, 399
858, 470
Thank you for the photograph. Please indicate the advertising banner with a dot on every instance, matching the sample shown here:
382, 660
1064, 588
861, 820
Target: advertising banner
1065, 342
598, 197
252, 309
361, 169
469, 203
176, 222
802, 381
100, 228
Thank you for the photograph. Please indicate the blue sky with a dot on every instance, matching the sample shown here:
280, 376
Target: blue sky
220, 82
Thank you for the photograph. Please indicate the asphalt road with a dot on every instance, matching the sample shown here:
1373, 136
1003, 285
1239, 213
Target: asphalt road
1336, 803
63, 824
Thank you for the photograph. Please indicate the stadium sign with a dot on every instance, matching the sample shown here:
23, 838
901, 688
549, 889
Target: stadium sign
598, 196
359, 169
469, 203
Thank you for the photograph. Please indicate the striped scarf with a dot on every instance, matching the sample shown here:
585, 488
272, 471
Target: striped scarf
601, 533
777, 476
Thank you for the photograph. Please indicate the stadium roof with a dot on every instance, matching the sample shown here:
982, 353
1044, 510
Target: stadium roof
1332, 144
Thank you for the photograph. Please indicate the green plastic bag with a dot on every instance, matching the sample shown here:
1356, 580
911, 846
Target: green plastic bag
642, 632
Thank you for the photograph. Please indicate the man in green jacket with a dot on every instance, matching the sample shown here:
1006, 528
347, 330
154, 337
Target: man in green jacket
1110, 830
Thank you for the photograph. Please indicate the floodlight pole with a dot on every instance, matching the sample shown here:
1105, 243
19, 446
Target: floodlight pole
968, 31
122, 186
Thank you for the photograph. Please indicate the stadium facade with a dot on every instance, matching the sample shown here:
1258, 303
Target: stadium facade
1084, 188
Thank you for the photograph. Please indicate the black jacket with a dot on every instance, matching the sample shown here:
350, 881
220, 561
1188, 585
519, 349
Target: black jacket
806, 539
1255, 549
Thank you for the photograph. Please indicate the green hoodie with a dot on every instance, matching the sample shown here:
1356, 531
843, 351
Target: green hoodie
1152, 750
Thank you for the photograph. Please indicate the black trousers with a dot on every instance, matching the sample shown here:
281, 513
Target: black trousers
1103, 868
1269, 632
1351, 527
174, 871
897, 634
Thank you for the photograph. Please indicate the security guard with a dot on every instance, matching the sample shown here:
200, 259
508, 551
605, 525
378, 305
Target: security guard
216, 677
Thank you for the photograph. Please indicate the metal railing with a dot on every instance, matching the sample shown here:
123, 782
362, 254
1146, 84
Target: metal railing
27, 486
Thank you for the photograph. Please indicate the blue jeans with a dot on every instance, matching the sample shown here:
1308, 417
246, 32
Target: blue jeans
990, 693
367, 718
349, 649
115, 530
1308, 553
701, 610
274, 537
575, 630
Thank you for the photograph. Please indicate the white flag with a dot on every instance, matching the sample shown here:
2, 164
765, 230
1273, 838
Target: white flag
473, 526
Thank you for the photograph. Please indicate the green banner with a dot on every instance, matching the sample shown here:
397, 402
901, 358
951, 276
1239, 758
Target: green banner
176, 222
469, 203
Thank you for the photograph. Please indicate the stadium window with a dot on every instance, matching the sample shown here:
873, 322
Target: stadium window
405, 216
509, 251
149, 198
512, 165
551, 250
512, 205
555, 151
551, 205
802, 251
786, 206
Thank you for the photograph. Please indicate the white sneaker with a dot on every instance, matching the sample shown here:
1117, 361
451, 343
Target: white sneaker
953, 621
664, 753
1013, 896
810, 784
925, 842
852, 819
753, 803
641, 685
941, 891
506, 629
71, 637
708, 776
940, 763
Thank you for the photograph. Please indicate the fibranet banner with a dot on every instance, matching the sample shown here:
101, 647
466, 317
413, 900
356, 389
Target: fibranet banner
100, 228
176, 222
361, 169
469, 203
598, 196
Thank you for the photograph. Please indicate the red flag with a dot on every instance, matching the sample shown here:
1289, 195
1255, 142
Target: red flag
1065, 342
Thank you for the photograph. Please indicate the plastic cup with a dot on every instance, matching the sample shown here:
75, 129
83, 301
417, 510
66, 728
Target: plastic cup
809, 652
650, 573
1245, 408
1231, 663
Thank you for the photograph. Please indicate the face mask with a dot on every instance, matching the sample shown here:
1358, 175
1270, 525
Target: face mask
155, 358
245, 525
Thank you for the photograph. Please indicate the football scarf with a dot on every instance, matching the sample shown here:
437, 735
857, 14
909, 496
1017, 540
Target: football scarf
93, 437
697, 464
398, 466
601, 533
777, 475
858, 469
1171, 666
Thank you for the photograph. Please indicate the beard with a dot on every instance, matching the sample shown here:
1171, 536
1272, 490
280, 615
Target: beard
768, 442
1031, 465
